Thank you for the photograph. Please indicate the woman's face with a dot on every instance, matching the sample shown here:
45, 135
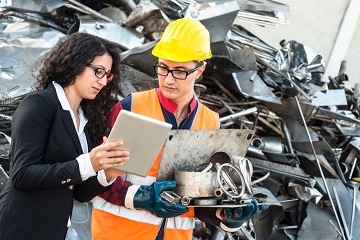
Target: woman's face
88, 83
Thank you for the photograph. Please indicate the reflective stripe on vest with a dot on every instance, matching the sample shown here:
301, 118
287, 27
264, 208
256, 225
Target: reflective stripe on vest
147, 104
142, 216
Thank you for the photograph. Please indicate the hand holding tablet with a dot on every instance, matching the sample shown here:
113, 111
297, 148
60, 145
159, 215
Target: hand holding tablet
143, 137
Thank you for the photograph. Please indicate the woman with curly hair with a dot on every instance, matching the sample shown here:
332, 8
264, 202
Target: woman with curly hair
54, 131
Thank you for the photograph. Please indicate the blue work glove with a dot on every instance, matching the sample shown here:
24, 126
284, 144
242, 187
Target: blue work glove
233, 218
148, 198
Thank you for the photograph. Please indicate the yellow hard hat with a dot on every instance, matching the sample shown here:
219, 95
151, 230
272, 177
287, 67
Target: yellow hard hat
184, 40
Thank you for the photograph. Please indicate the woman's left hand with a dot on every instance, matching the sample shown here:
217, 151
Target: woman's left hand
113, 173
104, 156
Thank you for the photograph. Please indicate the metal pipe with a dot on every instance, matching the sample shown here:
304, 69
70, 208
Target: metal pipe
185, 200
353, 211
238, 114
336, 229
341, 214
286, 227
263, 17
352, 168
287, 135
90, 10
232, 43
248, 20
256, 120
69, 5
316, 158
33, 19
261, 179
270, 116
226, 105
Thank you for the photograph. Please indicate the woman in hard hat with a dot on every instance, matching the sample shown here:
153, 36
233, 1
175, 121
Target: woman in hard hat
133, 208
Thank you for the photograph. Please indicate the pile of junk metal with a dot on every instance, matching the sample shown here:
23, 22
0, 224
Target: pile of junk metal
289, 136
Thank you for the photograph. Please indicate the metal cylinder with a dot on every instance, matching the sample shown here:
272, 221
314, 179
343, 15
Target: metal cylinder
245, 201
195, 184
185, 200
218, 192
268, 144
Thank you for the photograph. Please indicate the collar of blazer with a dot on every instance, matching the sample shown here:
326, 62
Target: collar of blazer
68, 122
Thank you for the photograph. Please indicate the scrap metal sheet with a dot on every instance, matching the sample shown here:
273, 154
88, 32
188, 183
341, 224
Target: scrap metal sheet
346, 200
187, 149
126, 37
216, 17
317, 226
33, 6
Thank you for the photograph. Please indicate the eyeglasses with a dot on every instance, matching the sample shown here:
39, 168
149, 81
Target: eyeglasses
100, 72
177, 74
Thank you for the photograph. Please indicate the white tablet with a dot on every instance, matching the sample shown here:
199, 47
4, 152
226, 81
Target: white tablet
143, 137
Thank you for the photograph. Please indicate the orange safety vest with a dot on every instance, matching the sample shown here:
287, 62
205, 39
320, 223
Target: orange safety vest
111, 222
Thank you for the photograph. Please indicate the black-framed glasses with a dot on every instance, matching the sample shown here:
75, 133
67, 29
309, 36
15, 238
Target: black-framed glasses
177, 74
100, 72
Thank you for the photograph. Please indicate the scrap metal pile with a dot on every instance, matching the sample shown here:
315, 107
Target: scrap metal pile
305, 142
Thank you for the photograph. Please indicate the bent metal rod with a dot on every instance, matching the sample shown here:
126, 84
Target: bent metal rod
317, 159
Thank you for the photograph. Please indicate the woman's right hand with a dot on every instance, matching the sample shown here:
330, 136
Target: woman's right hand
103, 157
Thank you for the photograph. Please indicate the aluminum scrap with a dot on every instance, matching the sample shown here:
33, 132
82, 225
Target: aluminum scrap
304, 125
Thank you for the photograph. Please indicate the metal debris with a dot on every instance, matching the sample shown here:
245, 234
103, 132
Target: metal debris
299, 130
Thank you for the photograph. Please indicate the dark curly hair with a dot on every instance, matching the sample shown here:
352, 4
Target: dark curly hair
67, 59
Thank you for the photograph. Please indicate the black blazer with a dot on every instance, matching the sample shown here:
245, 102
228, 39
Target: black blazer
44, 174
